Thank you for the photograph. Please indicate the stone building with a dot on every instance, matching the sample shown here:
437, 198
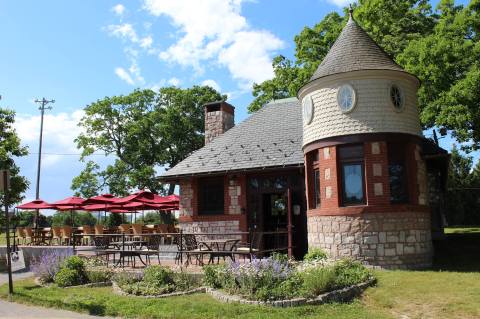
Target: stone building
345, 164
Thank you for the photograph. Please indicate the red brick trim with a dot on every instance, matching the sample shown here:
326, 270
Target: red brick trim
362, 138
364, 209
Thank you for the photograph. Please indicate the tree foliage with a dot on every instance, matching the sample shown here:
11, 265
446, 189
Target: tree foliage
441, 47
144, 130
463, 190
80, 218
10, 148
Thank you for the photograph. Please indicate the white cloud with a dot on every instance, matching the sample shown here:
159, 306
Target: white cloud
212, 30
247, 58
59, 132
119, 9
212, 84
124, 75
146, 42
174, 81
123, 31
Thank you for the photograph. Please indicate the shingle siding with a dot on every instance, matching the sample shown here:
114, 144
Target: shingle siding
373, 112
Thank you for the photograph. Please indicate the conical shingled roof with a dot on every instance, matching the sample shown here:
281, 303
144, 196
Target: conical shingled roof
354, 50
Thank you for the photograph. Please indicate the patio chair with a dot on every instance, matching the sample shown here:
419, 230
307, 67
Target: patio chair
56, 235
124, 228
21, 238
193, 249
102, 244
98, 229
29, 237
87, 231
152, 248
250, 249
137, 231
67, 234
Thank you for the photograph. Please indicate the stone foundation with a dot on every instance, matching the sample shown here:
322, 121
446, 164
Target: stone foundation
222, 227
384, 240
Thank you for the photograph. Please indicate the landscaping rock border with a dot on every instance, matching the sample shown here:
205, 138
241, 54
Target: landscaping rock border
344, 294
118, 291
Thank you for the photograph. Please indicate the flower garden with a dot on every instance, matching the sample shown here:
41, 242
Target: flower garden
263, 280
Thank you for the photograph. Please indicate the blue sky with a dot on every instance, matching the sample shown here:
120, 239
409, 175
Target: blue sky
79, 51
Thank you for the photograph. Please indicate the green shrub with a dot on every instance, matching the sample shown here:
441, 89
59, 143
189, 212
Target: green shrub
158, 276
141, 288
283, 258
185, 281
125, 278
74, 263
349, 272
212, 275
315, 254
67, 277
316, 281
94, 276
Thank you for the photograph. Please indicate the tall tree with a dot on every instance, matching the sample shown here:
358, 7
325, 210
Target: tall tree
10, 148
448, 63
144, 130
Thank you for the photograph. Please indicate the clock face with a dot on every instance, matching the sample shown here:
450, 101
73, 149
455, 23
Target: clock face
307, 110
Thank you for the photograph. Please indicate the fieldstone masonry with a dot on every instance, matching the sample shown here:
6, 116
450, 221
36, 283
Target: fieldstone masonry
217, 123
234, 192
229, 226
186, 198
386, 240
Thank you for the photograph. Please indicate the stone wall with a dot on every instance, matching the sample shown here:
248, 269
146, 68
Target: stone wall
385, 240
186, 198
222, 227
234, 197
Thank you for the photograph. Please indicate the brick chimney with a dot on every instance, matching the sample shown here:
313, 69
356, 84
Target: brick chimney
219, 118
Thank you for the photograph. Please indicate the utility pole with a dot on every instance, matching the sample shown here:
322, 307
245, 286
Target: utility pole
43, 106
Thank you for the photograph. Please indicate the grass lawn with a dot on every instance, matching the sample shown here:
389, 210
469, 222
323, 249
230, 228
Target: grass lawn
3, 239
462, 230
399, 294
452, 290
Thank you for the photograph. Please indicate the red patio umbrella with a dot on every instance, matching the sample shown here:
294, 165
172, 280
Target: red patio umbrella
36, 204
101, 199
137, 196
69, 203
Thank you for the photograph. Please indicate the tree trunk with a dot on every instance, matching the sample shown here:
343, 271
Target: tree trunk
171, 188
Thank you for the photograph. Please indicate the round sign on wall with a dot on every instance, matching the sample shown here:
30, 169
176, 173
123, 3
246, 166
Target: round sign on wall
307, 109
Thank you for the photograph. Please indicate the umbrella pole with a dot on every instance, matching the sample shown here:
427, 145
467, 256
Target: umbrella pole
71, 218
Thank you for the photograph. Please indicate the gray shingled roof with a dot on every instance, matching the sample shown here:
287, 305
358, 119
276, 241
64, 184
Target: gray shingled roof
354, 50
271, 137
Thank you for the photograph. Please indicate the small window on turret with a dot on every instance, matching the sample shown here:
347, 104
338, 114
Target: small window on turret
396, 97
346, 98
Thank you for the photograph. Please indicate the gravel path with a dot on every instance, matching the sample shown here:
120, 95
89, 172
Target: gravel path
10, 310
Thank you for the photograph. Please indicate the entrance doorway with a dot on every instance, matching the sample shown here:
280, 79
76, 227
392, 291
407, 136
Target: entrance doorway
267, 209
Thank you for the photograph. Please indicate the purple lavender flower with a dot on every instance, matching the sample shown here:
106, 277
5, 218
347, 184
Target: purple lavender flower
48, 264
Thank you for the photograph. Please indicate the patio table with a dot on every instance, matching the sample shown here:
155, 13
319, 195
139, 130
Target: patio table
129, 252
219, 248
